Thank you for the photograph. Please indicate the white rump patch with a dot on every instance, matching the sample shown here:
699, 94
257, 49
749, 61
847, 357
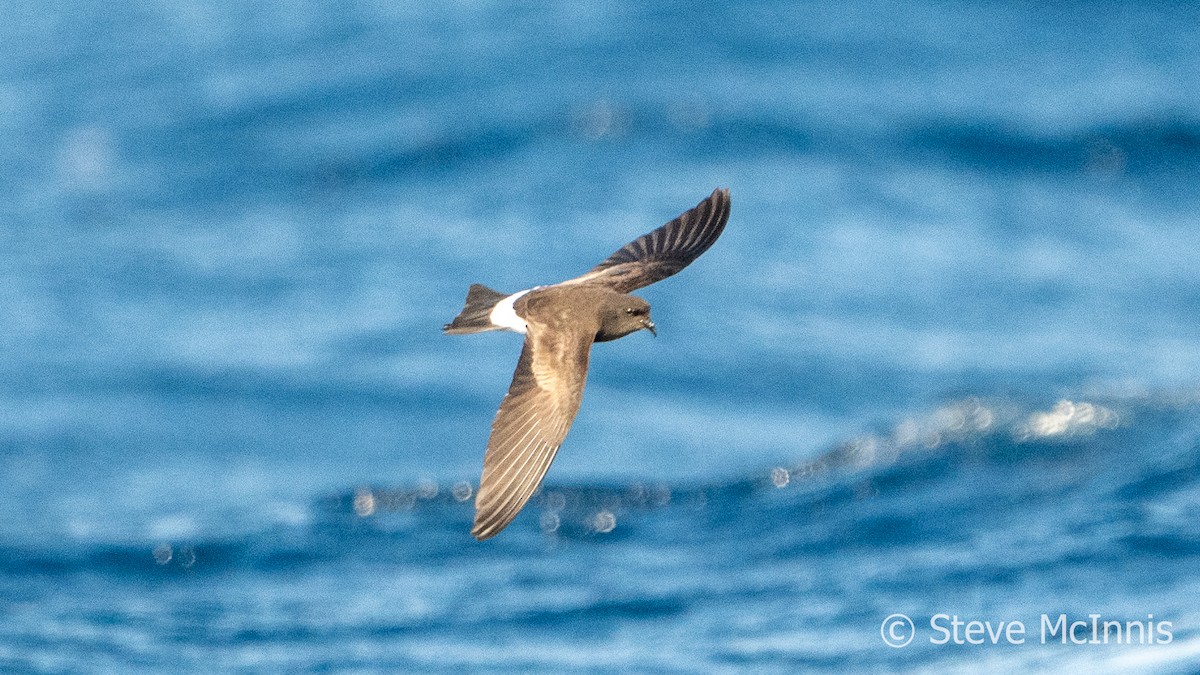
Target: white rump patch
504, 316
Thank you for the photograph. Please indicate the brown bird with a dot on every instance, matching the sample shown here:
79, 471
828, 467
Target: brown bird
560, 323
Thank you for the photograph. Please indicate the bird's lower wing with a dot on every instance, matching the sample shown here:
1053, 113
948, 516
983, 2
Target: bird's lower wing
531, 424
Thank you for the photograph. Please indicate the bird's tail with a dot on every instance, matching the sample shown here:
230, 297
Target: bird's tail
475, 316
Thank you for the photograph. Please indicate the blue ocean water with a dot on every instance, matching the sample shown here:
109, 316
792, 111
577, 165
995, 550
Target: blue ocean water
943, 363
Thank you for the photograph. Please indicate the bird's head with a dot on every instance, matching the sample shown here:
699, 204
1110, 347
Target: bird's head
622, 315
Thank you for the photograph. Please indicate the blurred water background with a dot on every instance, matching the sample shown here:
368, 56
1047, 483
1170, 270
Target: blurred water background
944, 359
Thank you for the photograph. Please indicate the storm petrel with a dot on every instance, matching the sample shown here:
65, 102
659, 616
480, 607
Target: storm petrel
560, 323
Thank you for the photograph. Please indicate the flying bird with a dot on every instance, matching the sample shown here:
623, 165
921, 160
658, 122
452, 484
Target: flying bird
560, 322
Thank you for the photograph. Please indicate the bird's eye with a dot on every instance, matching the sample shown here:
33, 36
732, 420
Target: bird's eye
630, 310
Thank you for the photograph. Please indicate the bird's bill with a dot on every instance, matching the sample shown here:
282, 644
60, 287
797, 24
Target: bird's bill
649, 325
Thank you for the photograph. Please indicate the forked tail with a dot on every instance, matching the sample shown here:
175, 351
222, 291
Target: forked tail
475, 316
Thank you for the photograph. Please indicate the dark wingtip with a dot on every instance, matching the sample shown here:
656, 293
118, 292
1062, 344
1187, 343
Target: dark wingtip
723, 193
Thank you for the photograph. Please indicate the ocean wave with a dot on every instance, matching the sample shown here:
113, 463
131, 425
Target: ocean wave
1148, 147
967, 470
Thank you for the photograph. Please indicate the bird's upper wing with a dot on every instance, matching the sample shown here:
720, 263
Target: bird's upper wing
659, 254
531, 424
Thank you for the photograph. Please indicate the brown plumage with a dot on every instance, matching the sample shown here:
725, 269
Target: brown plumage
560, 323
